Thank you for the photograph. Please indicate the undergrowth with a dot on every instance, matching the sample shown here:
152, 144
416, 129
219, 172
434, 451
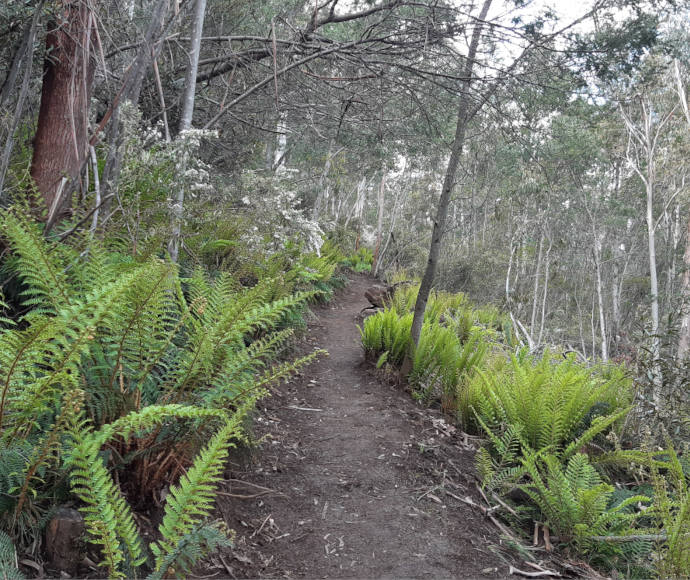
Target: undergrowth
117, 364
553, 429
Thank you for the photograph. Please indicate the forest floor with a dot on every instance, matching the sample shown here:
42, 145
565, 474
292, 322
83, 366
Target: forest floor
353, 479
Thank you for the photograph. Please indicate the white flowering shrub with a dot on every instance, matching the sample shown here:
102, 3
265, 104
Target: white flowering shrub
152, 172
152, 167
271, 208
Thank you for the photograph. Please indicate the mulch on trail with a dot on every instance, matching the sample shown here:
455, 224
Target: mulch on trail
352, 479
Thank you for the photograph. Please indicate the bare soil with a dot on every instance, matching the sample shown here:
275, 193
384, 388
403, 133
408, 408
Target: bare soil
352, 478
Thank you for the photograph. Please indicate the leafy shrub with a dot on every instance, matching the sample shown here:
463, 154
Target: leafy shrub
360, 261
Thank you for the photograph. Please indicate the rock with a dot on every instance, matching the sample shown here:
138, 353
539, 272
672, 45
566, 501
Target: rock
378, 295
64, 546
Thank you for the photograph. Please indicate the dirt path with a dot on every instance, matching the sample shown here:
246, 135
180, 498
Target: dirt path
357, 474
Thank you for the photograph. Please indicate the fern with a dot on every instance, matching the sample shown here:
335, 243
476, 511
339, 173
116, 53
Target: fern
193, 498
40, 268
117, 353
203, 539
550, 400
672, 511
500, 467
574, 500
107, 516
8, 559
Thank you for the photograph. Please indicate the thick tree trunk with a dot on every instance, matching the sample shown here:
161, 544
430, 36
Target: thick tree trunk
186, 121
61, 145
448, 182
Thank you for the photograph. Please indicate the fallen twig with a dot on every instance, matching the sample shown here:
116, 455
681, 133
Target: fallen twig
503, 504
296, 408
252, 484
246, 496
512, 570
255, 532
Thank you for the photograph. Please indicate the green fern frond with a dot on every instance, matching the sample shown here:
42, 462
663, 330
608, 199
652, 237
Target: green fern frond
202, 540
8, 559
107, 516
193, 498
39, 268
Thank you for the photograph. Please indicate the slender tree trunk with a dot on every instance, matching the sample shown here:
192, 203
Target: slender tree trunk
269, 152
358, 206
129, 92
546, 291
61, 144
600, 299
684, 331
396, 209
186, 121
281, 149
189, 94
615, 322
97, 190
535, 293
322, 188
379, 221
644, 164
463, 119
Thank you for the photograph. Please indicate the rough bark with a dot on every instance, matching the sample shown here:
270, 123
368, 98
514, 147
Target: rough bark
464, 115
61, 141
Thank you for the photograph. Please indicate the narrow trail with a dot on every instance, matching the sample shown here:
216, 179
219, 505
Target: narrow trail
349, 480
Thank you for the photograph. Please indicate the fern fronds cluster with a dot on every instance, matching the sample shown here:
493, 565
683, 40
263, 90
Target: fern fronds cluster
441, 361
114, 351
549, 399
575, 502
